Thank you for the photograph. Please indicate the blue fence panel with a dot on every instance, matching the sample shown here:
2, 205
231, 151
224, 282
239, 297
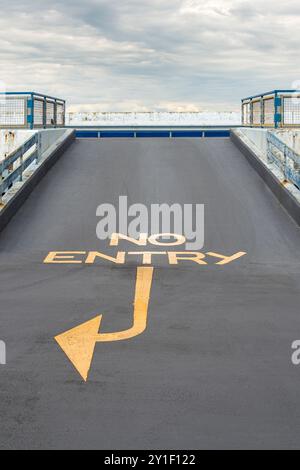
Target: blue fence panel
178, 134
285, 158
31, 110
116, 134
7, 180
150, 133
217, 133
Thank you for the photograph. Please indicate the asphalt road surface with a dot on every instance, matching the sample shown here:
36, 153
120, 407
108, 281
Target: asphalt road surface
213, 368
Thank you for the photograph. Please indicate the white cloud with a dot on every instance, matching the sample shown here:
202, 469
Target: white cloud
150, 54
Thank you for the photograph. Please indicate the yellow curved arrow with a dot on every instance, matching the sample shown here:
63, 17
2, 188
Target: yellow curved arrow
79, 343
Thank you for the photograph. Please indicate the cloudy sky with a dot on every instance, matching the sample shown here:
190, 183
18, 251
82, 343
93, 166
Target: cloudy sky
125, 55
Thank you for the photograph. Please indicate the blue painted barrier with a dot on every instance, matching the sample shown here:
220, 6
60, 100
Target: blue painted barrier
116, 134
217, 133
186, 134
87, 134
155, 133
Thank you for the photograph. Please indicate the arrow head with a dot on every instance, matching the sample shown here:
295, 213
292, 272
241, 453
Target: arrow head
79, 344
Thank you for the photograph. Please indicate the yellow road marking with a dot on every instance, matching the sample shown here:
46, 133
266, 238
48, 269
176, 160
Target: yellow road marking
142, 295
121, 257
79, 343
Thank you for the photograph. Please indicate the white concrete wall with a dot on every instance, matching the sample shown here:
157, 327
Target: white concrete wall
50, 140
256, 139
50, 136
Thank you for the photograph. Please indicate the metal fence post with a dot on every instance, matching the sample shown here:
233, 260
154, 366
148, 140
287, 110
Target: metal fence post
45, 113
30, 112
262, 112
278, 114
243, 117
1, 179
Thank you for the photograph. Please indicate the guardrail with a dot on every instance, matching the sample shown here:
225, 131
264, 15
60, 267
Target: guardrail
285, 158
14, 165
149, 132
31, 110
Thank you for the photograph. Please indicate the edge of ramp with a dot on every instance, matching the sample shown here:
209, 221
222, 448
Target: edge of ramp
12, 207
285, 198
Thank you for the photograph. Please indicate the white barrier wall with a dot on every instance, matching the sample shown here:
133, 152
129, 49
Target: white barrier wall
256, 140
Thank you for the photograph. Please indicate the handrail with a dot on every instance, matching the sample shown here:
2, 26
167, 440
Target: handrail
31, 110
274, 92
17, 174
285, 158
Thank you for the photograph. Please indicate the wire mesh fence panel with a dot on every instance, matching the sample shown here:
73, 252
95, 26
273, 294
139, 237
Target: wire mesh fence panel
12, 112
50, 118
291, 111
60, 114
247, 114
38, 112
256, 110
269, 111
30, 110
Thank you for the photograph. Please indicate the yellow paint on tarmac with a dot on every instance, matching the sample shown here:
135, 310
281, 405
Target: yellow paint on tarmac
79, 343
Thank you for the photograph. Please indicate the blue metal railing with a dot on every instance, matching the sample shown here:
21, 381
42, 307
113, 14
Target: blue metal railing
30, 110
150, 133
273, 92
285, 158
9, 174
277, 108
